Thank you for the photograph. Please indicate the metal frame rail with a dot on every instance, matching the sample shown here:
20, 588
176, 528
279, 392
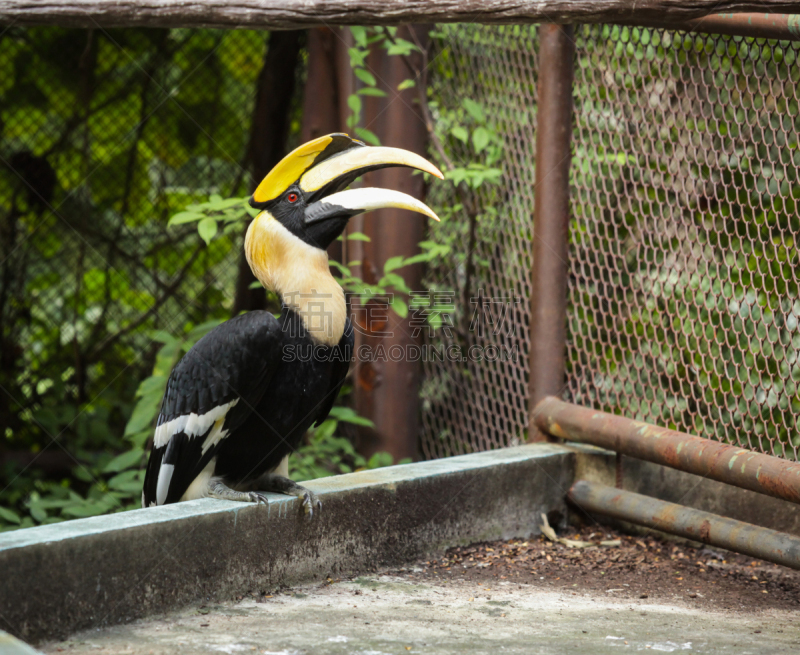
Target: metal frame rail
739, 467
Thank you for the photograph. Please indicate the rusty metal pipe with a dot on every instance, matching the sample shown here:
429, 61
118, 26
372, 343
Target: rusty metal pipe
785, 27
708, 528
551, 215
744, 468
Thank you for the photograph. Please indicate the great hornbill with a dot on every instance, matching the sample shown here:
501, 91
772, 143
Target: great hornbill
241, 399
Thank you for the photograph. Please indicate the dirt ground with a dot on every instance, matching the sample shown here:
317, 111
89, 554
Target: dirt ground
639, 567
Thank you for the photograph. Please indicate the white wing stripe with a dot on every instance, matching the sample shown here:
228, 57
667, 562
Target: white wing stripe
164, 478
192, 425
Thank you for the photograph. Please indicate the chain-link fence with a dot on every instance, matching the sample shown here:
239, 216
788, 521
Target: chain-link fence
683, 266
482, 402
683, 285
684, 259
104, 134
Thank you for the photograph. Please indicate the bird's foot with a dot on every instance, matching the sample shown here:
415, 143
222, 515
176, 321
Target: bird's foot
282, 485
309, 500
216, 489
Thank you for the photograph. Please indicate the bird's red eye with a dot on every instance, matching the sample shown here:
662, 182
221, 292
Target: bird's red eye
292, 197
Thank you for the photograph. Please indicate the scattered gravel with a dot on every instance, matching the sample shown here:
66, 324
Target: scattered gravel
638, 567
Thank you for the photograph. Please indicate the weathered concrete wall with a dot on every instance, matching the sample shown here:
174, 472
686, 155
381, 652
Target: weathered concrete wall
61, 578
664, 483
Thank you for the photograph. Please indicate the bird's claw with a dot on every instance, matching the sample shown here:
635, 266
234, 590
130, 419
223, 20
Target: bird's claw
310, 502
258, 498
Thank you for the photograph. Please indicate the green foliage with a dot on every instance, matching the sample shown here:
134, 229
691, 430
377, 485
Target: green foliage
324, 454
108, 483
102, 133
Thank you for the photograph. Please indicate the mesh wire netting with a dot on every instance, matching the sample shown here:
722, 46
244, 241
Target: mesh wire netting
683, 288
470, 402
103, 136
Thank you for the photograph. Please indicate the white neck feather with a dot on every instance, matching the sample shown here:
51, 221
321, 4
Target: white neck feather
299, 274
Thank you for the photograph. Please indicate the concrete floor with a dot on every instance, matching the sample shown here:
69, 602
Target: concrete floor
383, 614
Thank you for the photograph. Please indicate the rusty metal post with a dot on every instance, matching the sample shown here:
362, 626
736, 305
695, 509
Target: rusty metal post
765, 474
551, 216
708, 528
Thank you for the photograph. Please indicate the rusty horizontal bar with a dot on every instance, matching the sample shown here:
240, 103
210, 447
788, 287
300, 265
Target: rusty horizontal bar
708, 528
784, 27
730, 464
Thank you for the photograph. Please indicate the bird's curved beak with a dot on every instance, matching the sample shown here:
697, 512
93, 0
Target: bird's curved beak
323, 167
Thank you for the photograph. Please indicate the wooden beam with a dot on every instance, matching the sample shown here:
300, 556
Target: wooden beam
294, 14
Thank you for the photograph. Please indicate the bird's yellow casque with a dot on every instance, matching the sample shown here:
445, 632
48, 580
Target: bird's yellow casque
241, 399
341, 155
289, 265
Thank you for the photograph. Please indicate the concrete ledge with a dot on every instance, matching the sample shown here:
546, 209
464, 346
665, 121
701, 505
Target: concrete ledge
88, 573
11, 646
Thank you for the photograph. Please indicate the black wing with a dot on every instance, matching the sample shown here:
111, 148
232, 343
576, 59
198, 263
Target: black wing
343, 353
210, 392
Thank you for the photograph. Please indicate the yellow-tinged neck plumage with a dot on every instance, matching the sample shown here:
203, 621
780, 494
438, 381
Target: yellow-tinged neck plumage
299, 274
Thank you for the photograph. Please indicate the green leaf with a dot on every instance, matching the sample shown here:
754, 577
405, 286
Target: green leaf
347, 415
254, 285
422, 257
371, 91
221, 204
365, 76
354, 102
399, 306
142, 416
128, 482
393, 263
401, 47
186, 217
395, 281
88, 508
358, 236
162, 336
359, 35
368, 136
82, 474
124, 461
340, 267
9, 516
153, 384
207, 228
474, 109
357, 57
460, 133
379, 460
325, 429
480, 138
406, 84
37, 512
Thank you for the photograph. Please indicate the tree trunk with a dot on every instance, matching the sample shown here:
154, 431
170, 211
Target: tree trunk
387, 389
321, 114
268, 137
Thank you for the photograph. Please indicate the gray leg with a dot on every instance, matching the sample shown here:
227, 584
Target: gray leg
216, 489
280, 484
